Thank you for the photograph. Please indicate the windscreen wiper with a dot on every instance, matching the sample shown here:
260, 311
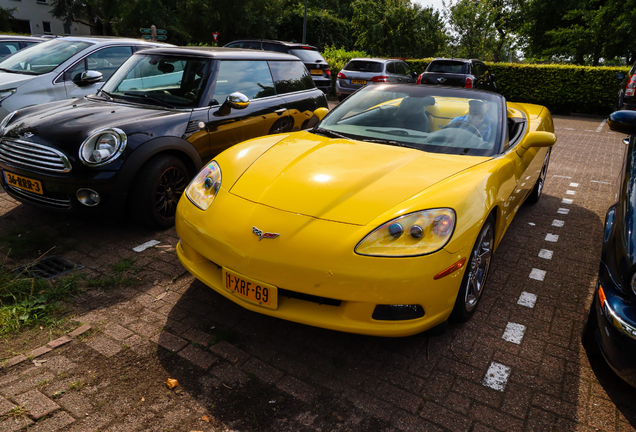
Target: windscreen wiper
145, 96
108, 95
330, 133
390, 142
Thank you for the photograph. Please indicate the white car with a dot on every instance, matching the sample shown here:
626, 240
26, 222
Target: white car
63, 68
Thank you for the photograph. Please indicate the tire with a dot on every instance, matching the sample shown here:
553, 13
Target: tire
476, 273
282, 125
537, 190
156, 191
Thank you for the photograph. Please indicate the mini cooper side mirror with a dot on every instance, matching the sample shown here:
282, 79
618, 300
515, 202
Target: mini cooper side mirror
536, 139
234, 100
318, 115
623, 121
89, 77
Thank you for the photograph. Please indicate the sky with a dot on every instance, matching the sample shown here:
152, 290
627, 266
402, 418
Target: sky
437, 4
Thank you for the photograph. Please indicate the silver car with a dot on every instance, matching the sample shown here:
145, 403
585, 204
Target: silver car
362, 71
63, 68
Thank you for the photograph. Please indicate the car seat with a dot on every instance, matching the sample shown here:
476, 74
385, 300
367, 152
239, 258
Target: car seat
412, 114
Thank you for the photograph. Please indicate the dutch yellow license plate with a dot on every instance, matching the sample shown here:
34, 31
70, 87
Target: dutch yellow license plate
251, 290
316, 71
24, 183
363, 82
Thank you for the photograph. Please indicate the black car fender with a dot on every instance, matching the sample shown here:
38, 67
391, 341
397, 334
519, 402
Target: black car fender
168, 145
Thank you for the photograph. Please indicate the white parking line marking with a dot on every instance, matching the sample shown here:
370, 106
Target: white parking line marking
598, 129
574, 185
568, 128
537, 274
497, 376
530, 223
557, 223
589, 130
570, 192
566, 201
563, 211
552, 238
527, 299
560, 176
596, 181
514, 333
544, 253
148, 244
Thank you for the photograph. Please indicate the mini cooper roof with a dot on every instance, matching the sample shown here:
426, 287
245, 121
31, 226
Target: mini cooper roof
110, 39
277, 42
220, 53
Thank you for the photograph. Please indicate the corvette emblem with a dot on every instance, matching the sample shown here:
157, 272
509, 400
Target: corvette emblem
441, 80
261, 235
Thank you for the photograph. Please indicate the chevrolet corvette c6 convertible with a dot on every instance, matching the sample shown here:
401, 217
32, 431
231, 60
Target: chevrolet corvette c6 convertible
381, 220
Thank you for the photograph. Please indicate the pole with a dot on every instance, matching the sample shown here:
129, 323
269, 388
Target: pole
305, 23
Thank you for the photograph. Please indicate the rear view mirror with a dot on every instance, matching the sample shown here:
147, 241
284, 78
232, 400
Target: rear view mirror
623, 121
89, 77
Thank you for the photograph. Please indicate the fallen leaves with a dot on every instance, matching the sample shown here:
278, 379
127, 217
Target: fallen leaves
205, 419
172, 383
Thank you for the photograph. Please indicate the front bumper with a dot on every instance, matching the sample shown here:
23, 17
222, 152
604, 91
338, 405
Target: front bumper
615, 330
60, 189
314, 260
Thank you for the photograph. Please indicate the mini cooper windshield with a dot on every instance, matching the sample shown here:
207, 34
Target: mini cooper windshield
453, 121
170, 81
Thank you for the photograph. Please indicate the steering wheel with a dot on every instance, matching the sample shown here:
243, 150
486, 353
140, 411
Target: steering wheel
463, 124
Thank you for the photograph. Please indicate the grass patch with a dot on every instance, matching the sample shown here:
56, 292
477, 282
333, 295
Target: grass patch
121, 276
76, 385
28, 302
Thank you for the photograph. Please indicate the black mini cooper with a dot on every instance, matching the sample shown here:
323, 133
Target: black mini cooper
137, 142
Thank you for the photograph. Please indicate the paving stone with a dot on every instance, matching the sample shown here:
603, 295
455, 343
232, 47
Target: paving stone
263, 371
36, 403
93, 422
75, 403
15, 360
229, 352
12, 424
80, 330
297, 388
27, 383
445, 418
56, 422
105, 345
59, 342
198, 357
169, 341
59, 364
5, 406
229, 374
198, 336
117, 332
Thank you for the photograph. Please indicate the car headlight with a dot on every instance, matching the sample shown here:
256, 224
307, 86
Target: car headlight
5, 121
6, 93
418, 233
102, 147
204, 187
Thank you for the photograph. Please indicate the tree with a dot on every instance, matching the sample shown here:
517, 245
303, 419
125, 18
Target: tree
97, 14
6, 15
397, 28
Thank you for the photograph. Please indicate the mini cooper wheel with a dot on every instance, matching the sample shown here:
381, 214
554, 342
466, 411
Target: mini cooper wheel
538, 186
156, 192
476, 273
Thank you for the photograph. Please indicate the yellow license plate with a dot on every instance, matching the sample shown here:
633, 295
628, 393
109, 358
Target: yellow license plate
23, 183
251, 290
316, 71
363, 82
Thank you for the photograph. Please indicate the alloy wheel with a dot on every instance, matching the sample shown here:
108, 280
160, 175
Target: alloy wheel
170, 188
478, 270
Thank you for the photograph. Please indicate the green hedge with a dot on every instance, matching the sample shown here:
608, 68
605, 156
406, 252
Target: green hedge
561, 88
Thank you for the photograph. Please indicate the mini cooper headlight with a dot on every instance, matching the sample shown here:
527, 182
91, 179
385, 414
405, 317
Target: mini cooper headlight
418, 233
5, 121
102, 147
204, 187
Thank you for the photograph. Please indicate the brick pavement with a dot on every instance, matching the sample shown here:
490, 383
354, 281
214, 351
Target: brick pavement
518, 365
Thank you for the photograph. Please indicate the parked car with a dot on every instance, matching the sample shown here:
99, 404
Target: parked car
62, 68
626, 99
380, 220
139, 141
311, 57
10, 44
611, 325
458, 73
359, 72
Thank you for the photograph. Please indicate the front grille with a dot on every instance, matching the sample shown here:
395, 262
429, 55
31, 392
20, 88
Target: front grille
309, 297
59, 202
30, 155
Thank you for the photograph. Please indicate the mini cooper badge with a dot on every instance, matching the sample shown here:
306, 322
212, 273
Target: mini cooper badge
441, 80
261, 235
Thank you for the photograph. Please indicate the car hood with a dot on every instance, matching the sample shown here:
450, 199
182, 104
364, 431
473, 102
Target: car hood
342, 180
66, 124
10, 80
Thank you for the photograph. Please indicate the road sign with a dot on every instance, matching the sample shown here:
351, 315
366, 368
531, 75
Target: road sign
145, 31
162, 37
215, 35
162, 32
146, 37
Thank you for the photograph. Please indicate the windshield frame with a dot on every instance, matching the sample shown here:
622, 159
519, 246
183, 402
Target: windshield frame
499, 128
42, 49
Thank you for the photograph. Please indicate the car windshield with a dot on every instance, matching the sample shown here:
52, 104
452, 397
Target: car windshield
159, 79
308, 55
431, 119
363, 66
44, 57
446, 67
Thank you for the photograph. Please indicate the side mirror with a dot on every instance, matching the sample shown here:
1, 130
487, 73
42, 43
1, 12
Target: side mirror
623, 121
536, 139
235, 100
620, 76
319, 114
89, 77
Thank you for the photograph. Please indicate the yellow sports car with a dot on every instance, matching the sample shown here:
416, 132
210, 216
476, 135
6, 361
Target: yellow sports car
381, 220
